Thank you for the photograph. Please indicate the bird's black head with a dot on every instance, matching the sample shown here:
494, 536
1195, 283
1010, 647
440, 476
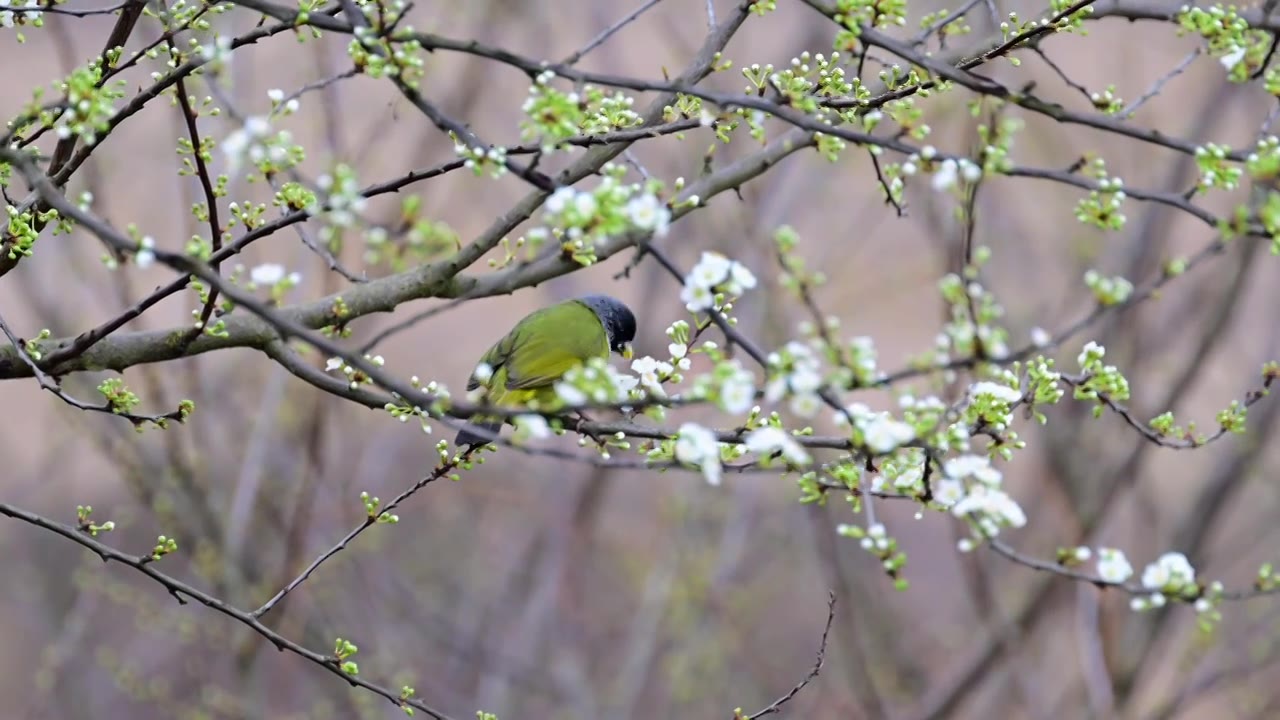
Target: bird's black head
618, 320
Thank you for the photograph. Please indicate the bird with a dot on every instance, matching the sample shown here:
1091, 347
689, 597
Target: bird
525, 364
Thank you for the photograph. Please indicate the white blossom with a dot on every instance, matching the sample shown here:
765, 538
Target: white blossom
267, 274
560, 199
972, 466
647, 212
738, 392
805, 405
945, 176
622, 384
8, 17
1092, 348
714, 270
883, 433
569, 394
948, 492
910, 478
993, 503
585, 204
217, 53
697, 297
1172, 571
711, 270
333, 363
650, 369
1233, 58
1040, 337
531, 426
697, 446
1113, 566
859, 412
246, 141
145, 256
804, 381
769, 439
1003, 393
740, 279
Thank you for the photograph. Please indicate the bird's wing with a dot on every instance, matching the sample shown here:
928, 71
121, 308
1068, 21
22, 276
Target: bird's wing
535, 354
545, 357
542, 356
496, 356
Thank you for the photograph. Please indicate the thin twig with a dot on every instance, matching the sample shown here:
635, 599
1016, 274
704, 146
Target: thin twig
1159, 84
370, 519
57, 10
1062, 73
609, 32
921, 37
776, 705
409, 322
51, 385
320, 85
178, 589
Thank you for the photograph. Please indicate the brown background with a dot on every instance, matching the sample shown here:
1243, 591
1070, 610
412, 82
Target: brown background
537, 589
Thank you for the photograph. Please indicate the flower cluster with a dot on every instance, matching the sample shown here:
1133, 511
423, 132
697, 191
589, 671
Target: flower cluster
794, 372
879, 432
12, 18
1239, 48
608, 112
343, 202
1171, 575
990, 404
355, 377
1100, 381
280, 106
1216, 169
267, 152
1107, 101
735, 387
377, 56
490, 161
551, 116
970, 486
678, 333
1113, 566
653, 373
275, 278
947, 172
698, 446
90, 103
768, 440
903, 471
714, 277
581, 218
595, 382
1102, 207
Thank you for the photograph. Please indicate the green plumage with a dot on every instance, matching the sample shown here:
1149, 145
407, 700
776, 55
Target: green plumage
539, 350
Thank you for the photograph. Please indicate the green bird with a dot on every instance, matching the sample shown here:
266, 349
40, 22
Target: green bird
541, 348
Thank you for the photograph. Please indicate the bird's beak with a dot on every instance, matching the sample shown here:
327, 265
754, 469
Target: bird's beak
627, 352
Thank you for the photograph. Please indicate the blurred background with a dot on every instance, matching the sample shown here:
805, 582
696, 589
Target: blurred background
542, 589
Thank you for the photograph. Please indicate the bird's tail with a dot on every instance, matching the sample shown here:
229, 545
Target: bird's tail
467, 437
